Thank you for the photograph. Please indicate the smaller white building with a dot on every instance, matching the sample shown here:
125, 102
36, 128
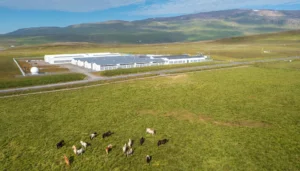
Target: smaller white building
182, 59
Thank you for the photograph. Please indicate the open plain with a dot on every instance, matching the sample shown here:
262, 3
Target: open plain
235, 119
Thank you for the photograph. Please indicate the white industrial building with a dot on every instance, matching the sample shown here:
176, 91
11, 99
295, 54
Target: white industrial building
110, 61
131, 61
182, 59
67, 58
116, 62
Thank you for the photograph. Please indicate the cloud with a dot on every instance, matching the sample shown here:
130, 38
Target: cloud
191, 6
67, 5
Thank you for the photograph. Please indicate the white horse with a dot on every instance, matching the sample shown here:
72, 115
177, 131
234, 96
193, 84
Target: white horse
150, 131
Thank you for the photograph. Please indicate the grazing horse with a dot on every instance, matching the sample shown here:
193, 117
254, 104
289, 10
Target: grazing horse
93, 135
148, 159
124, 148
107, 134
85, 144
150, 131
60, 144
129, 152
67, 160
142, 140
130, 143
160, 142
78, 152
108, 148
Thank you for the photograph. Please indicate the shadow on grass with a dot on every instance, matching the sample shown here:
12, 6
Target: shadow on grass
71, 160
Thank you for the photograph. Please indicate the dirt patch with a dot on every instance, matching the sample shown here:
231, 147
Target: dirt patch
204, 118
25, 66
194, 118
174, 79
251, 124
149, 112
179, 76
183, 115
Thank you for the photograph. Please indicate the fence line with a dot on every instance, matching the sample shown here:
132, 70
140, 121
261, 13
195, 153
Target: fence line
23, 73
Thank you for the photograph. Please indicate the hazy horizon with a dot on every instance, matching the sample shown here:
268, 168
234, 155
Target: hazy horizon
17, 14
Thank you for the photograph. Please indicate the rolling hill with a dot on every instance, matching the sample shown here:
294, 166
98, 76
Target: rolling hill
193, 27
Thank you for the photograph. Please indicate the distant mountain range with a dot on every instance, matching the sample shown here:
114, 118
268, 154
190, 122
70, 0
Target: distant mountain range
193, 27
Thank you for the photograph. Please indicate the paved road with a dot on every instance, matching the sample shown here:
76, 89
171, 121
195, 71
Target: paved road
114, 82
161, 72
77, 69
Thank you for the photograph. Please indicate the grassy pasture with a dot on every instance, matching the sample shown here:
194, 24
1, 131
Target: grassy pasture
39, 80
234, 119
293, 64
75, 86
235, 49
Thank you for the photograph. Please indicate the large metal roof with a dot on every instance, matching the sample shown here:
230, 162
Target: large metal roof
179, 57
114, 60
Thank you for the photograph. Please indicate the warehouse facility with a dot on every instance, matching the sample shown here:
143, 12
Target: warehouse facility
110, 61
116, 62
133, 61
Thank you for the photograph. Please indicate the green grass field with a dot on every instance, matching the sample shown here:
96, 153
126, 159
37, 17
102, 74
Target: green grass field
231, 119
292, 64
234, 49
39, 80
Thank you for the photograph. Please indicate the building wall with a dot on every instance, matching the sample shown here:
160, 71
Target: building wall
69, 58
88, 65
182, 61
80, 63
74, 62
96, 67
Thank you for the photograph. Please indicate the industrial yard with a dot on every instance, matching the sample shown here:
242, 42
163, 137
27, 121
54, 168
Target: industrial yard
94, 62
43, 67
111, 61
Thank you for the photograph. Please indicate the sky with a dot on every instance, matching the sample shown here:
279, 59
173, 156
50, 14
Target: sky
16, 14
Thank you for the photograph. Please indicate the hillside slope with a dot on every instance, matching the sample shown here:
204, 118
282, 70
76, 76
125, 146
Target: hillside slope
193, 27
